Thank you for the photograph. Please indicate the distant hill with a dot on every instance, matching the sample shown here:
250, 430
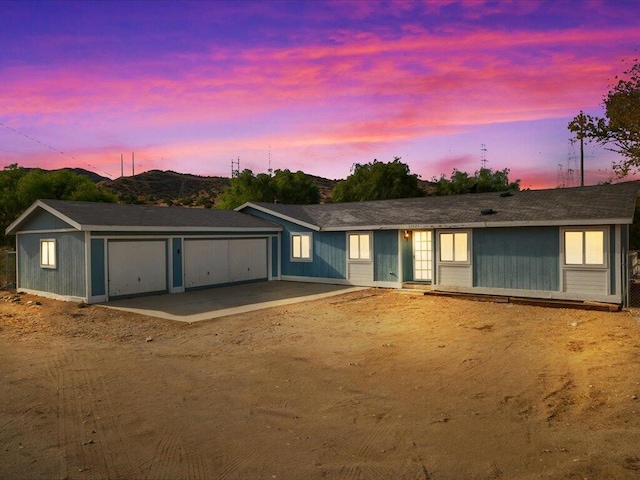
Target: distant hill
94, 177
160, 187
167, 187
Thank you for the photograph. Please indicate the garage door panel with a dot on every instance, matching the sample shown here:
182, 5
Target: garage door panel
248, 259
152, 270
137, 267
206, 262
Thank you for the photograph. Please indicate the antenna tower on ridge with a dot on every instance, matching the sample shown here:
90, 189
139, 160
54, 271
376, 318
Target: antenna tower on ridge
235, 168
483, 155
270, 170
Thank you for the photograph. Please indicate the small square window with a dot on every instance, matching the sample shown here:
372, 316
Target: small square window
301, 247
584, 247
454, 247
359, 246
48, 253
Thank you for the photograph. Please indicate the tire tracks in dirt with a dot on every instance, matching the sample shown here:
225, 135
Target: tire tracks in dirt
172, 460
89, 430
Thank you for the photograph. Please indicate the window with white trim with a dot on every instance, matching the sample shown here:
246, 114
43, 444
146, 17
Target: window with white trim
584, 247
48, 253
301, 247
454, 247
359, 246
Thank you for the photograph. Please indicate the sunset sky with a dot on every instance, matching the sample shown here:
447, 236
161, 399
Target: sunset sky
317, 86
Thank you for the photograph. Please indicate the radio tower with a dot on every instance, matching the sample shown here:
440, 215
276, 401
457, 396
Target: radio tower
235, 168
483, 155
270, 169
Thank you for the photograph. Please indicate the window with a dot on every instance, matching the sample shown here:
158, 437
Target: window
48, 253
301, 247
584, 247
454, 247
359, 246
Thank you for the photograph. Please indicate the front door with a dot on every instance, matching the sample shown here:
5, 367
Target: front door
422, 256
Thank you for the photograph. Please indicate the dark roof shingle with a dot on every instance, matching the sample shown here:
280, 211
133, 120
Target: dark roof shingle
118, 215
568, 206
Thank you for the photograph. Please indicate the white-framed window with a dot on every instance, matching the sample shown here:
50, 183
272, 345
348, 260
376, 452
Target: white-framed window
48, 253
359, 246
301, 247
585, 247
454, 247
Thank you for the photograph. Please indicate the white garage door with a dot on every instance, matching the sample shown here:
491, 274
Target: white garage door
137, 267
206, 262
247, 259
215, 262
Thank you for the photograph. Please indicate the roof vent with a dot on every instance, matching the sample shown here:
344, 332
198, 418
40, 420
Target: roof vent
508, 193
487, 211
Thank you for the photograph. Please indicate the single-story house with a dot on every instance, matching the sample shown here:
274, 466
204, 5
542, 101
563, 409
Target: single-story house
567, 244
96, 252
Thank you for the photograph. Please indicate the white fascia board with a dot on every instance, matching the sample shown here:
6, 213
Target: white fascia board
128, 228
432, 226
47, 208
280, 215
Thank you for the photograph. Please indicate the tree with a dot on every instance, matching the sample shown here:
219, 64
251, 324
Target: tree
378, 181
19, 188
619, 130
483, 180
283, 186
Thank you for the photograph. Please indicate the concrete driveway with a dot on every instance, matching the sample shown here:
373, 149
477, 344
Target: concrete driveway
218, 302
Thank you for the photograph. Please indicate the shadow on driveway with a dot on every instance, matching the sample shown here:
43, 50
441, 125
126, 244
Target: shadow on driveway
218, 302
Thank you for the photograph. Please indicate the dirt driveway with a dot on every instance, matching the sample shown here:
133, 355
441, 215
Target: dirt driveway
369, 385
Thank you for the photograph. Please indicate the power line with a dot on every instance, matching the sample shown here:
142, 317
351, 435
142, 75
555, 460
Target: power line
18, 132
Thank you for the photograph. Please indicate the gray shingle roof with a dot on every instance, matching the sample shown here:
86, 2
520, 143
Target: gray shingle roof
600, 204
113, 216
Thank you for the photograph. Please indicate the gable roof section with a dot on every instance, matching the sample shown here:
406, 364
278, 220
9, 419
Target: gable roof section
593, 205
96, 216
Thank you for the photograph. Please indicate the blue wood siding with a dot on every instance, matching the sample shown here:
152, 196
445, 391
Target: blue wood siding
98, 286
407, 260
176, 256
385, 256
274, 256
329, 250
42, 220
612, 258
68, 278
517, 258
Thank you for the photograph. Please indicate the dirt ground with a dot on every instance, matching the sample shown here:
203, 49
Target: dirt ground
369, 385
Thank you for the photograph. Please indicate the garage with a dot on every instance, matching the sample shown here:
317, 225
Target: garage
137, 267
210, 262
94, 252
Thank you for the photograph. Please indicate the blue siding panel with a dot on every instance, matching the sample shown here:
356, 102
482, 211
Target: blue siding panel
98, 286
274, 257
612, 258
517, 258
42, 220
329, 250
385, 253
67, 279
177, 262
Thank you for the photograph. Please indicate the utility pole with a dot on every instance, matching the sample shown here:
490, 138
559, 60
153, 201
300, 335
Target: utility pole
121, 165
133, 166
582, 160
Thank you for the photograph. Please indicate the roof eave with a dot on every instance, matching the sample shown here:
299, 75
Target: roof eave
494, 224
129, 228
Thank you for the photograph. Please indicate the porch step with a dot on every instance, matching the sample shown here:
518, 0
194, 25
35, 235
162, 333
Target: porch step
425, 287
